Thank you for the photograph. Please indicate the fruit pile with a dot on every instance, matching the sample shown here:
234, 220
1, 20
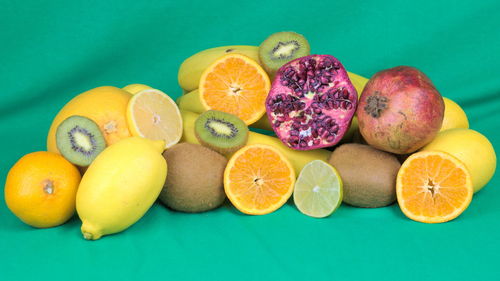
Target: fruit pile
332, 137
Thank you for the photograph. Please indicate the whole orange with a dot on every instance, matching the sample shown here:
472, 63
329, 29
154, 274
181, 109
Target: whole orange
41, 189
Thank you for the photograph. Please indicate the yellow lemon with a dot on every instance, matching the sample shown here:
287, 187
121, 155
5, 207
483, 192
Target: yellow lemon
454, 116
154, 115
472, 148
135, 88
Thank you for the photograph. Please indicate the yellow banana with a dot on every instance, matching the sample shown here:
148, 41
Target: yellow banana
120, 185
191, 69
192, 102
358, 81
297, 158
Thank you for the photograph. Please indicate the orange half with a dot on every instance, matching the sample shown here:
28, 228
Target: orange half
235, 84
433, 187
258, 179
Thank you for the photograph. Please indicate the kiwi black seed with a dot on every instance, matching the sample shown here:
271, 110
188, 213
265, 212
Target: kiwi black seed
368, 174
221, 131
280, 48
195, 178
79, 140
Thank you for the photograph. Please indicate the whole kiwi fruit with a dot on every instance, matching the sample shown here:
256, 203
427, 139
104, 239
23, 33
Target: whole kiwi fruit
368, 174
194, 178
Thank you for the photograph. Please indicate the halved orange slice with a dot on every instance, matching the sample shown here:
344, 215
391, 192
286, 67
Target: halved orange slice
433, 187
258, 179
235, 84
154, 115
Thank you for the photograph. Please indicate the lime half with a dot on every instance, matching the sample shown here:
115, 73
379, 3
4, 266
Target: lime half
318, 189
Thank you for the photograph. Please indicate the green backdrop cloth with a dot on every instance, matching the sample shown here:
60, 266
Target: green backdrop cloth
53, 50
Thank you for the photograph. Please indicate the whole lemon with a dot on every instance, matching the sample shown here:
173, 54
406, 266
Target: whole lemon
120, 186
472, 148
135, 88
41, 189
454, 116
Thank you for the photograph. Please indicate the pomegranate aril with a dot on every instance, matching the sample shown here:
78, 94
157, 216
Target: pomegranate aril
281, 119
345, 94
314, 133
312, 86
345, 104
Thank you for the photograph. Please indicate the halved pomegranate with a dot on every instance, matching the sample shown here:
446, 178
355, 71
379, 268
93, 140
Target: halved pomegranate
311, 102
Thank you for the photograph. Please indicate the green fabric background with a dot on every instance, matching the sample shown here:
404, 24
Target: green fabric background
52, 50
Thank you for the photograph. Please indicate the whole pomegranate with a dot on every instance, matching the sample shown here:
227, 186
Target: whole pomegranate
311, 102
400, 110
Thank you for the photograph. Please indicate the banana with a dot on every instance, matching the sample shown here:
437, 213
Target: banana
297, 158
120, 185
358, 81
191, 69
192, 102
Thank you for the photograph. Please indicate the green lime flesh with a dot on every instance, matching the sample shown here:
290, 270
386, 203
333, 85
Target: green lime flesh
318, 189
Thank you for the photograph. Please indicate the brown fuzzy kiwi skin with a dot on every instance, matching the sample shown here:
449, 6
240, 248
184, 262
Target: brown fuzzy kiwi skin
194, 179
368, 174
221, 150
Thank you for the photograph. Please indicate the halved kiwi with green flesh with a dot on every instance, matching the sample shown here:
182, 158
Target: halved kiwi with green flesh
280, 48
79, 140
221, 131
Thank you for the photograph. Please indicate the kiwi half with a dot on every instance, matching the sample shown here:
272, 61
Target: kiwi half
79, 140
221, 131
280, 48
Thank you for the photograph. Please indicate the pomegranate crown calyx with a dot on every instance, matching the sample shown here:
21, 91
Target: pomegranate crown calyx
376, 104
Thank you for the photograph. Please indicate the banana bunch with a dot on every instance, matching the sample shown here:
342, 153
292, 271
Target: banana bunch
192, 68
297, 158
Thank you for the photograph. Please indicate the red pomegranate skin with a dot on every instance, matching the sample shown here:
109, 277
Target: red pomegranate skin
400, 110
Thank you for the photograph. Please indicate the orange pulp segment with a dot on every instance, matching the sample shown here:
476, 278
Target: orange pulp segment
235, 84
258, 179
433, 187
